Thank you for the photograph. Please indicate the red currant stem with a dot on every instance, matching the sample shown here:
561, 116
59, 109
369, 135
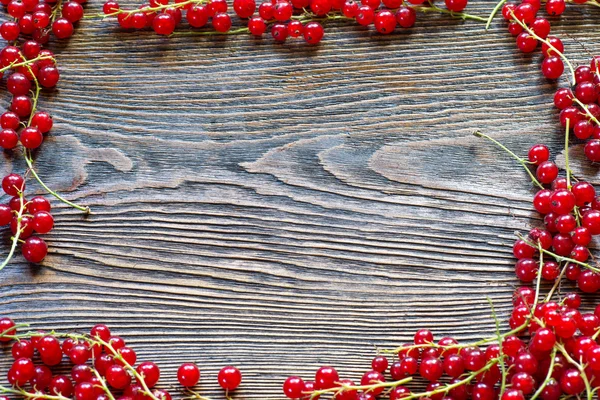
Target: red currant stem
307, 17
210, 33
117, 356
146, 9
55, 10
26, 62
565, 353
589, 114
34, 395
103, 384
460, 15
36, 95
538, 282
521, 161
493, 14
556, 284
29, 158
547, 43
595, 336
29, 161
456, 346
195, 395
548, 376
567, 155
15, 239
366, 388
447, 388
5, 333
500, 351
557, 257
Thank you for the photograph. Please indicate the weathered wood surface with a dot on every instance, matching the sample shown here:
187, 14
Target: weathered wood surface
279, 207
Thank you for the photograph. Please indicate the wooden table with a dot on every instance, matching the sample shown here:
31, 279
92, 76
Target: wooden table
280, 207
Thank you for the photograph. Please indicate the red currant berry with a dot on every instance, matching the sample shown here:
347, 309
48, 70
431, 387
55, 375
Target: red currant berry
150, 372
221, 22
31, 138
552, 67
13, 184
62, 28
230, 377
188, 374
164, 24
117, 377
313, 32
257, 26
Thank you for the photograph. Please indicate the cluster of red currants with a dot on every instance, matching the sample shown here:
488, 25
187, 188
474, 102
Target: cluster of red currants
571, 219
104, 368
22, 122
530, 30
580, 107
284, 18
36, 19
26, 217
562, 358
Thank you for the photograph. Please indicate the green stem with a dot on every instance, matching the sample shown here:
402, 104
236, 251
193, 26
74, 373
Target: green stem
15, 238
34, 395
447, 388
460, 15
580, 368
589, 114
455, 346
548, 376
29, 158
547, 43
210, 33
493, 13
117, 356
556, 283
29, 161
567, 155
501, 353
365, 388
516, 157
559, 258
103, 385
26, 62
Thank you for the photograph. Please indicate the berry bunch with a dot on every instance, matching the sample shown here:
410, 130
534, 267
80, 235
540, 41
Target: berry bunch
571, 219
580, 107
284, 18
103, 368
26, 217
37, 19
29, 69
561, 358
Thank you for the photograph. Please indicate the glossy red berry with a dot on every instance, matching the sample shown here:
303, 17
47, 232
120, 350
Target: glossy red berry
13, 184
313, 32
117, 377
62, 28
230, 377
257, 26
188, 374
552, 67
221, 22
385, 22
164, 24
546, 172
150, 372
293, 387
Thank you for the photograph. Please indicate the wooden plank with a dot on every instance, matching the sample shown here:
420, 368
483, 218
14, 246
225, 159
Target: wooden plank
279, 207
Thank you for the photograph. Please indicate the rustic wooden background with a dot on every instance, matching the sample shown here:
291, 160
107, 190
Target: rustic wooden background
280, 207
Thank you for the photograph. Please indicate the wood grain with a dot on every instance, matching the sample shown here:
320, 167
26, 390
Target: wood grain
279, 207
